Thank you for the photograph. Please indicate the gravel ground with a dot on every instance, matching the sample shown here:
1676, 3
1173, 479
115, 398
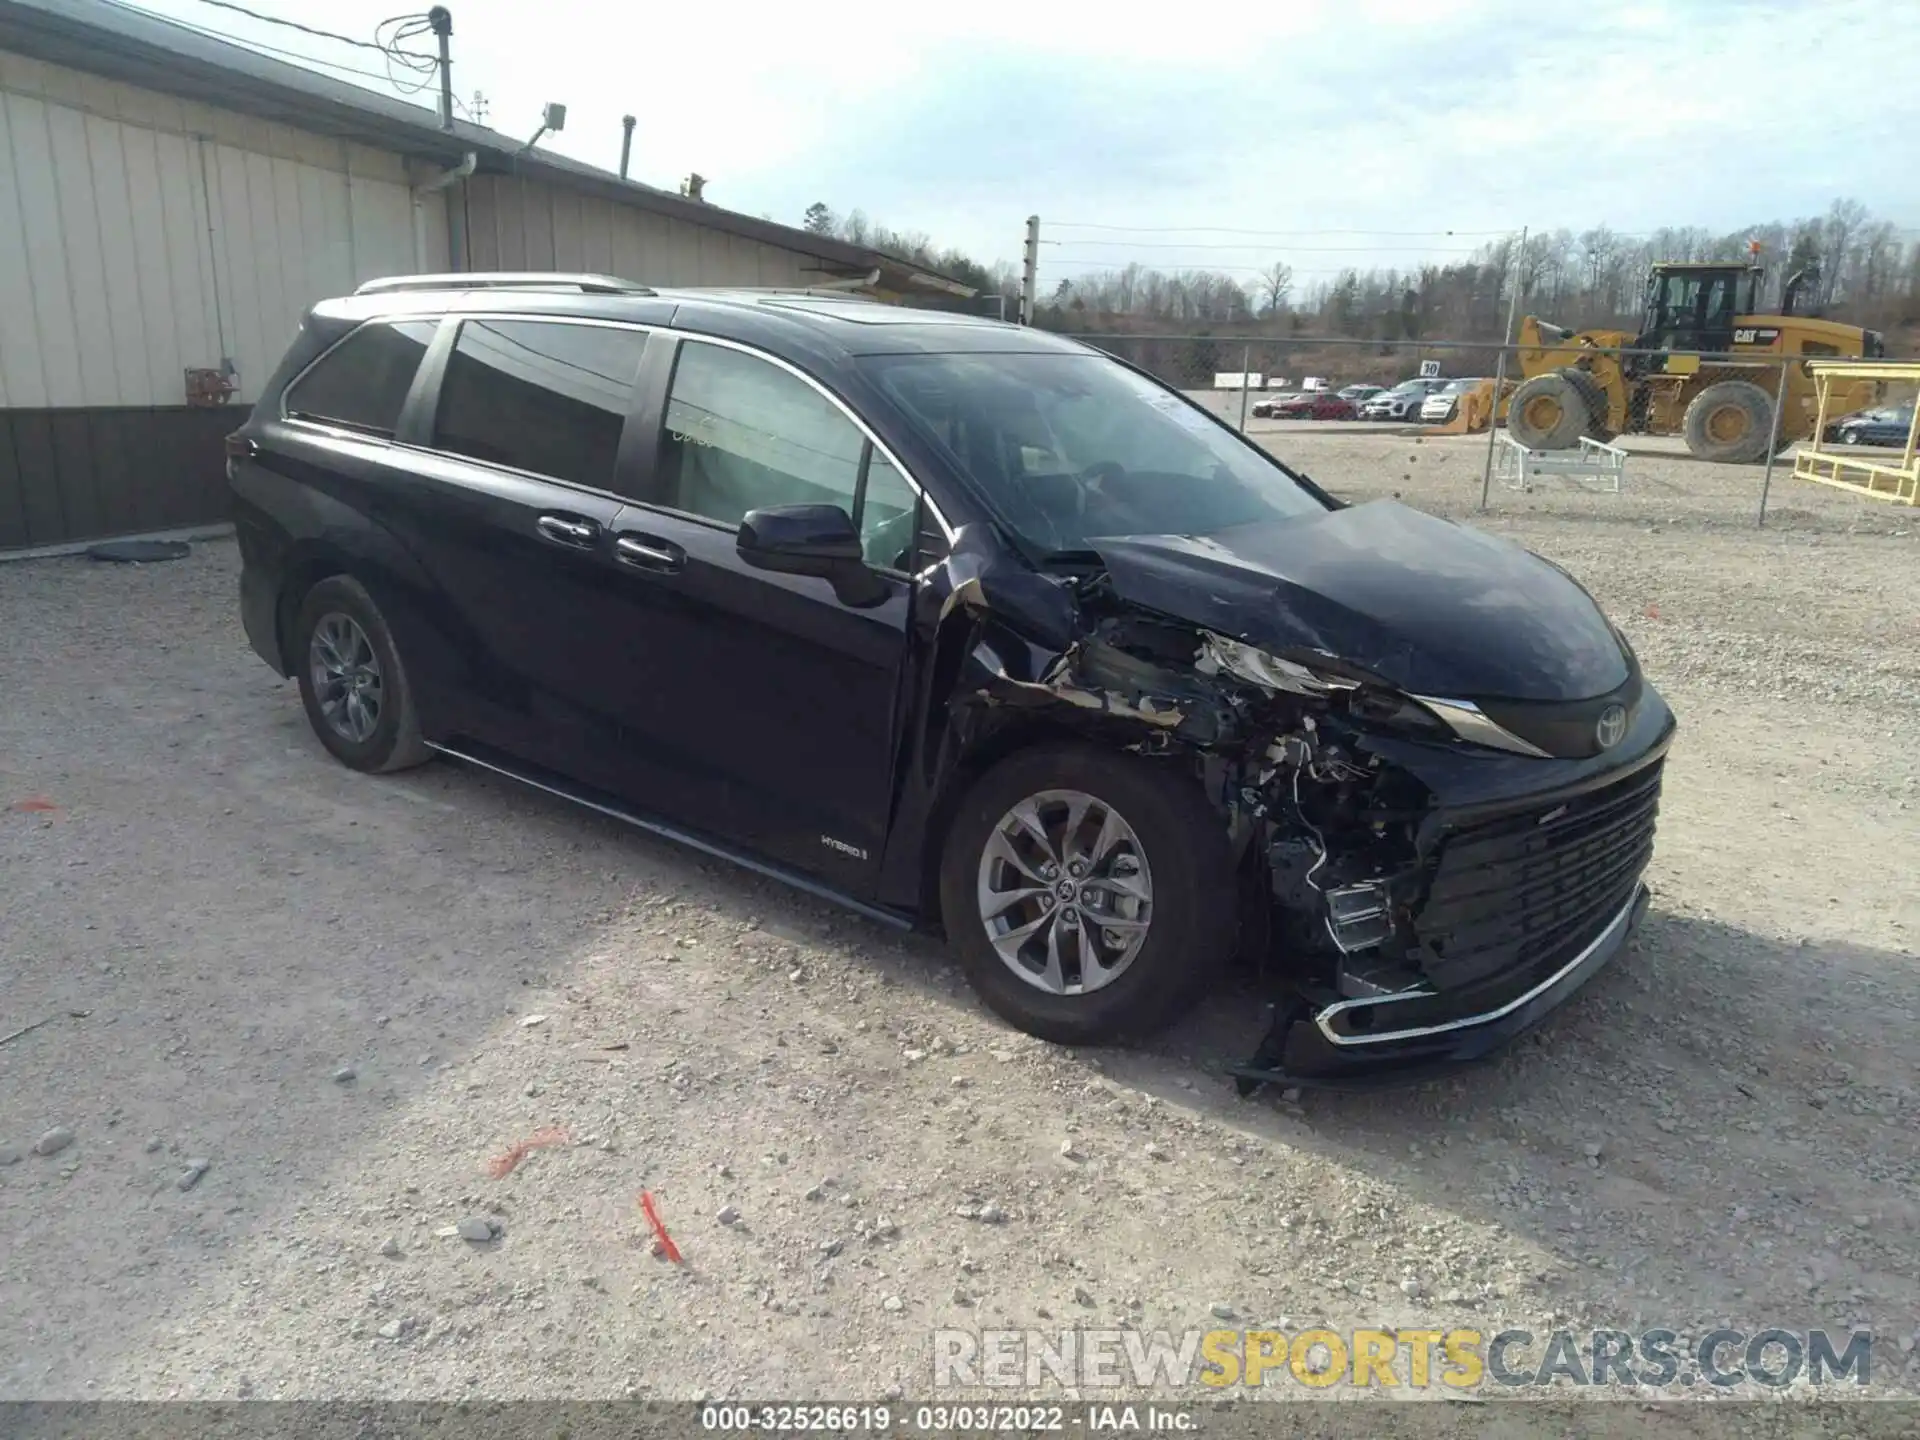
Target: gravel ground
294, 1012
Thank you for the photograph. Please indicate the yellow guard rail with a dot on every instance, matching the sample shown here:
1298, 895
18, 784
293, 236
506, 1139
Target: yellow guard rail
1845, 468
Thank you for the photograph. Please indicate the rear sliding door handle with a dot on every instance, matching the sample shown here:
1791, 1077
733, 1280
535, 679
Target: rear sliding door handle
565, 530
649, 552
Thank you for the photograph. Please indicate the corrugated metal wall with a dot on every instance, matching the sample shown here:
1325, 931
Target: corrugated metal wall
515, 222
141, 235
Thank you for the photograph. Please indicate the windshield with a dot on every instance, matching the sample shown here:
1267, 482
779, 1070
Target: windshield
1068, 448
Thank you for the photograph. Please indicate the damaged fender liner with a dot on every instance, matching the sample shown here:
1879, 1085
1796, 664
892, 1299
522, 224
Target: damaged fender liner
1415, 1036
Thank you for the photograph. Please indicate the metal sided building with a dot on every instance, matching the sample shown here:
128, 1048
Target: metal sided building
170, 204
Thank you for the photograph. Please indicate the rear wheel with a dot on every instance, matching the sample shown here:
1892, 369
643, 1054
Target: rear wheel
352, 682
1088, 894
1730, 422
1548, 412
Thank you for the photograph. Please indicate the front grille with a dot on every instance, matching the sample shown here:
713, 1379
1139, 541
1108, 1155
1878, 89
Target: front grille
1530, 888
1566, 729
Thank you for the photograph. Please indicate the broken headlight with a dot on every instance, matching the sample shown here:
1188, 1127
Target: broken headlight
1386, 710
1220, 655
1373, 706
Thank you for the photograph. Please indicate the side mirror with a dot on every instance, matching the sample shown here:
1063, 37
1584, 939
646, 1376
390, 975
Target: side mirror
816, 540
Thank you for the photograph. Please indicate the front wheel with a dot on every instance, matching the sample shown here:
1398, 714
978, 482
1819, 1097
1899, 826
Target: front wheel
1088, 894
1548, 412
1730, 422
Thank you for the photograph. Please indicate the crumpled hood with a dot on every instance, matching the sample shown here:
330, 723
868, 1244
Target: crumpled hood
1432, 607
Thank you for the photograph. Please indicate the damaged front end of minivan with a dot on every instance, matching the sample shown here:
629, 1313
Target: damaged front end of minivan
1427, 870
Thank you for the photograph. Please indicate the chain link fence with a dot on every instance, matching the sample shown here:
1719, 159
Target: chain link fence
1462, 427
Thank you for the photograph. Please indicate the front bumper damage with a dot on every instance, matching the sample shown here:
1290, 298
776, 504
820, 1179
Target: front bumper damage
1423, 880
1523, 882
1420, 1033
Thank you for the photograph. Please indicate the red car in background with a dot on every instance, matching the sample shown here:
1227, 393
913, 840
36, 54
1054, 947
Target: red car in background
1315, 405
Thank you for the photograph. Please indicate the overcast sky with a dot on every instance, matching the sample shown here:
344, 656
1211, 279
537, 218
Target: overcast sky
1176, 123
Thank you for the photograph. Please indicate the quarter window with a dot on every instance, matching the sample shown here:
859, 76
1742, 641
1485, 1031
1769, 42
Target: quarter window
362, 382
547, 397
743, 434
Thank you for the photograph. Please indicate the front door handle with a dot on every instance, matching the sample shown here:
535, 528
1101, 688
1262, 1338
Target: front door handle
566, 530
649, 552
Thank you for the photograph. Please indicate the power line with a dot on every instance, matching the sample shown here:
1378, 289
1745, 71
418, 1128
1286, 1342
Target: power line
1902, 231
1116, 266
1230, 230
296, 25
423, 67
1289, 249
300, 56
262, 47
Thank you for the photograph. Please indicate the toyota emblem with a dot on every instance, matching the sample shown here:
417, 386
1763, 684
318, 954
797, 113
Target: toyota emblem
1611, 727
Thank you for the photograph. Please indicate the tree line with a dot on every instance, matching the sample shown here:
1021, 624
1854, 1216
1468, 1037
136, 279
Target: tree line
1864, 269
998, 279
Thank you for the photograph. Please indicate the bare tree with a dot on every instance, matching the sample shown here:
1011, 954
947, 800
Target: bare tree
1845, 219
1276, 283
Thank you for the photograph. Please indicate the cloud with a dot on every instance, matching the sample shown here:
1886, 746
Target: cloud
1306, 115
1471, 117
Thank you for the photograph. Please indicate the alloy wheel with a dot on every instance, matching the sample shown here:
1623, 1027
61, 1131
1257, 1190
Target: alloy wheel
1065, 892
346, 677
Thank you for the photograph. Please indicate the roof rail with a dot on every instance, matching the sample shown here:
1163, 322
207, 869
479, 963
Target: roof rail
505, 280
821, 292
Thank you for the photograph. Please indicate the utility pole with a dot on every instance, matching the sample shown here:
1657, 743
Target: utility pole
627, 122
440, 20
1029, 277
1500, 368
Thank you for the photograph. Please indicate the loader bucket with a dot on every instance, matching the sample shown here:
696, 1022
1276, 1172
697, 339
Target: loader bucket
1471, 415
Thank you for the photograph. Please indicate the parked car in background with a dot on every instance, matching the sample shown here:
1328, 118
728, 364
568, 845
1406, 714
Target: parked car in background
1402, 402
1315, 405
1438, 407
1888, 425
1263, 409
807, 583
1358, 395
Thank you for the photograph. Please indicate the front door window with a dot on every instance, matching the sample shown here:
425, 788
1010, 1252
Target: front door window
744, 434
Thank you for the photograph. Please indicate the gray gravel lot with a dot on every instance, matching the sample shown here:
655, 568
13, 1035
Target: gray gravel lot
330, 1000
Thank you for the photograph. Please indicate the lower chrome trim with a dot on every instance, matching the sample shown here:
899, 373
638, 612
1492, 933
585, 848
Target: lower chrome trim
1606, 936
681, 837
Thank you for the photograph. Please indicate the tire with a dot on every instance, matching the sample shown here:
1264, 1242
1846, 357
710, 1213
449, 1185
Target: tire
1730, 422
1849, 437
1176, 844
339, 634
1548, 412
1595, 397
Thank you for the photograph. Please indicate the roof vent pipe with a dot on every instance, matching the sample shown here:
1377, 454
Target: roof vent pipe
627, 122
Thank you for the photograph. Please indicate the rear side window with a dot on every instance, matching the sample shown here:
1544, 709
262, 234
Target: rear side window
548, 397
362, 382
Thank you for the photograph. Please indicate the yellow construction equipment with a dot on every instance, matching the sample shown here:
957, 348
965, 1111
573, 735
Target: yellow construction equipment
1475, 410
1884, 480
1578, 384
